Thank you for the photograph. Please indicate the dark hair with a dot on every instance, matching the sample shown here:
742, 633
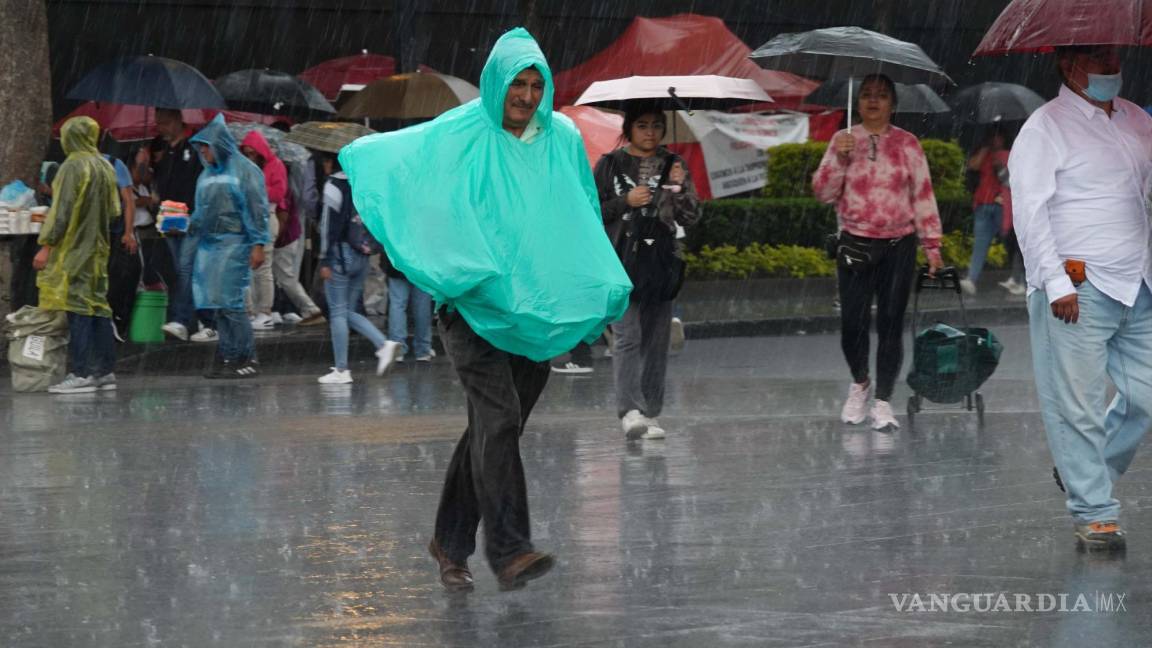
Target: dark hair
634, 110
879, 78
323, 156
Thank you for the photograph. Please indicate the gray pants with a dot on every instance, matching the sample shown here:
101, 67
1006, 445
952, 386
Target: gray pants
286, 272
640, 358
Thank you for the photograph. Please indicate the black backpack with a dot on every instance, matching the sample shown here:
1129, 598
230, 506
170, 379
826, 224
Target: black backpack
647, 250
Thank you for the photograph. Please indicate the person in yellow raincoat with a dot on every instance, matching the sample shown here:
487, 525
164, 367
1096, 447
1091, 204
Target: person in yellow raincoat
73, 257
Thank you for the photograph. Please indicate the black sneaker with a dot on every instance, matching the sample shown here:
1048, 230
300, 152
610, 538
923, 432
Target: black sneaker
242, 370
1100, 536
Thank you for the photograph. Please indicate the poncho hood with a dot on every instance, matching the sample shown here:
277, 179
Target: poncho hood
80, 135
215, 134
514, 52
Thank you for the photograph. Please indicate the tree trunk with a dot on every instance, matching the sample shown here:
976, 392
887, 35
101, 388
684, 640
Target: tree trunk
25, 103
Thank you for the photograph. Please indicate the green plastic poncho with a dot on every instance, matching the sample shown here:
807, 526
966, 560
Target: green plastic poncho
231, 217
506, 231
84, 202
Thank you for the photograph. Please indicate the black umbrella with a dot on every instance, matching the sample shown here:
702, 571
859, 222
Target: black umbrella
992, 103
269, 92
917, 99
149, 81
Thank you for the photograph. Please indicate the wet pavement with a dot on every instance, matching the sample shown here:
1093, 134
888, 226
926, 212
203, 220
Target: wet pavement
183, 512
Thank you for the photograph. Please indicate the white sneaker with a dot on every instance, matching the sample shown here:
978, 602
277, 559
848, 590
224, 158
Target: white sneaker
292, 318
676, 341
1014, 288
882, 416
856, 407
571, 368
262, 322
654, 430
336, 377
968, 287
107, 382
634, 424
386, 355
277, 319
205, 335
73, 384
176, 330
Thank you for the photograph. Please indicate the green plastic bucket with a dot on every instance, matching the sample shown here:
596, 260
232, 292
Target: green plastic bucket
148, 316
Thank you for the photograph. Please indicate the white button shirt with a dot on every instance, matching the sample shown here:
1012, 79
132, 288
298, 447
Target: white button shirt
1079, 186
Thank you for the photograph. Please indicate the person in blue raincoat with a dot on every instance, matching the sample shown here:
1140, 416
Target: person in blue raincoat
491, 209
229, 227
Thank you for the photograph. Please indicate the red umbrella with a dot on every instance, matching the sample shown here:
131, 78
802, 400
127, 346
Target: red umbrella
1041, 25
131, 123
600, 130
363, 68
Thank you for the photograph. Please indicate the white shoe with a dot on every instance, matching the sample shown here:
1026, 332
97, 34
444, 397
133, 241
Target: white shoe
205, 335
277, 319
882, 416
968, 287
676, 341
262, 322
336, 377
176, 330
292, 318
386, 355
107, 382
654, 430
1014, 288
73, 384
856, 407
571, 368
634, 424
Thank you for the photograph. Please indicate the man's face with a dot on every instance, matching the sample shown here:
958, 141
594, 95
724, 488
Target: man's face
169, 126
524, 94
1101, 60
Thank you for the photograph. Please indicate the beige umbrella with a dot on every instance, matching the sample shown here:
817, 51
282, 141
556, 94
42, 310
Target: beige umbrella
419, 95
329, 137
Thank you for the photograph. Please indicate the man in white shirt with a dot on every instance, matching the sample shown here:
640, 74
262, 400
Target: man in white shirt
1080, 170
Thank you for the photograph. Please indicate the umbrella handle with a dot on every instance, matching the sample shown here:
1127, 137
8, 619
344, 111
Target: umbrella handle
850, 103
679, 102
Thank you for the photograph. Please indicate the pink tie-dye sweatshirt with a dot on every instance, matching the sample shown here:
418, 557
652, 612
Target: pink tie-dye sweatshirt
884, 189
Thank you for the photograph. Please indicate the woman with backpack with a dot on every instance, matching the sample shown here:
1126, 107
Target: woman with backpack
345, 248
646, 195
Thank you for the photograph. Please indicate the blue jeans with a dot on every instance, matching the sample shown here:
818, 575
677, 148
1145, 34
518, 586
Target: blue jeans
1092, 446
401, 293
181, 306
91, 345
986, 224
235, 330
344, 288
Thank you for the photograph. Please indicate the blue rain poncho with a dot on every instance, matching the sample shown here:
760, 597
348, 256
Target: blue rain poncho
231, 217
506, 231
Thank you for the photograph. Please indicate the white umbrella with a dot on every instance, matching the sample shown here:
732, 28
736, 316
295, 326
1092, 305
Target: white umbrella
699, 91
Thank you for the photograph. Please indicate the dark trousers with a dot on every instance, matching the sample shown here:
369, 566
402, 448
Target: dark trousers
23, 288
888, 281
485, 479
91, 347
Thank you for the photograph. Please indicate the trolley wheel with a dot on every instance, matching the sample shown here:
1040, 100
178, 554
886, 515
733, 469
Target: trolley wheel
980, 408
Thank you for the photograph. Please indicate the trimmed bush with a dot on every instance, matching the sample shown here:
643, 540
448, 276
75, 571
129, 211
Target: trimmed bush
946, 164
728, 262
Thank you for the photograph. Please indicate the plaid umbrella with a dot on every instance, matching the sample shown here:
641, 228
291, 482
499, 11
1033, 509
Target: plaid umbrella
329, 137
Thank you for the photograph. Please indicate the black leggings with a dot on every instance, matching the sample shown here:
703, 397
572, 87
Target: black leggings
888, 279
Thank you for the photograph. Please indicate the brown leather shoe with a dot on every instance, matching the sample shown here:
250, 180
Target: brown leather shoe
453, 577
523, 568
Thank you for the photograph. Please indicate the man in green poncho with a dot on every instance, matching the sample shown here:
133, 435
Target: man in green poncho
492, 209
73, 257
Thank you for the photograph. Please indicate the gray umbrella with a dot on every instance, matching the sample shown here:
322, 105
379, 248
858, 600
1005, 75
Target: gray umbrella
285, 150
991, 103
846, 52
917, 99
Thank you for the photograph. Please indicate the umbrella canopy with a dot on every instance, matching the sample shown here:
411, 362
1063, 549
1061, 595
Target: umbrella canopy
697, 91
271, 92
361, 69
846, 52
991, 102
329, 137
1041, 25
600, 130
916, 99
286, 151
419, 95
148, 81
132, 123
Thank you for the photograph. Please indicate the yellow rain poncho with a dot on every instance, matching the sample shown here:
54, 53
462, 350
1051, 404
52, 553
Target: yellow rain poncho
505, 230
85, 200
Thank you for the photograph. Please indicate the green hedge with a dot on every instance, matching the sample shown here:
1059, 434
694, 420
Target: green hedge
791, 166
788, 221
